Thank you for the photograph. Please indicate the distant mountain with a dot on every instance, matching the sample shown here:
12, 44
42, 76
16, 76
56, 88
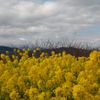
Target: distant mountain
3, 49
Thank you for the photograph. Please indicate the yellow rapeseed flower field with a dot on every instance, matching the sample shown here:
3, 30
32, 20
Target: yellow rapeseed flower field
55, 77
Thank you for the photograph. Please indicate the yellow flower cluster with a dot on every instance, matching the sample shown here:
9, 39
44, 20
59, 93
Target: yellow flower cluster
55, 77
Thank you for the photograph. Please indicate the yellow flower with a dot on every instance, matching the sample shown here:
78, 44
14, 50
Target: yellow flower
14, 95
93, 55
33, 94
56, 77
58, 91
79, 92
41, 96
37, 49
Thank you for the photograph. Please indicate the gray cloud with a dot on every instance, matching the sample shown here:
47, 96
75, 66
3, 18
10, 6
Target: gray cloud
46, 18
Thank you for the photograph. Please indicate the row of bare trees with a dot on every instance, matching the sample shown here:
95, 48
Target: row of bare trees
56, 44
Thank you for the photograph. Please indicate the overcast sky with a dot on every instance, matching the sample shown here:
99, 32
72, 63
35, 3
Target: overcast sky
30, 20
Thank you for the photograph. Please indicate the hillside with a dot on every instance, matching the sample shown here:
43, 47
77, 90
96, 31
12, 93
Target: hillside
77, 52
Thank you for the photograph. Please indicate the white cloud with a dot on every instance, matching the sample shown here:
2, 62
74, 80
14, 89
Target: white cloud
48, 7
23, 39
47, 18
